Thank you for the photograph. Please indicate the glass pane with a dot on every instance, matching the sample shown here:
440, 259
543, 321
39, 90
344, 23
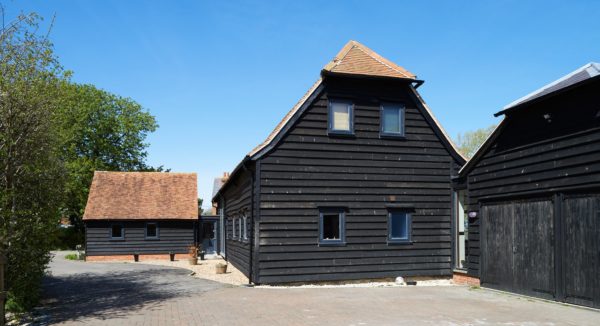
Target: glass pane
331, 226
151, 230
117, 231
392, 119
399, 226
341, 116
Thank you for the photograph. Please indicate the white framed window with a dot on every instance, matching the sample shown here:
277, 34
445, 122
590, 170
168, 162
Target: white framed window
233, 226
240, 229
341, 117
245, 223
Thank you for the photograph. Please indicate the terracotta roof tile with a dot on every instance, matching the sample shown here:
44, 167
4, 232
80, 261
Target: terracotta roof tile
142, 195
357, 59
353, 59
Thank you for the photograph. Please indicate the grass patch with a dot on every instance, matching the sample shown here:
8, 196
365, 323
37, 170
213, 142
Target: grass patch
71, 257
474, 287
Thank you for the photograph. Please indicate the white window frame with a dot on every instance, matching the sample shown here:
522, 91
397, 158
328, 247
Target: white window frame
245, 221
331, 121
233, 225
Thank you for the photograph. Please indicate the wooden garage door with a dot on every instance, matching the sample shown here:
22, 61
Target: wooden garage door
518, 247
581, 250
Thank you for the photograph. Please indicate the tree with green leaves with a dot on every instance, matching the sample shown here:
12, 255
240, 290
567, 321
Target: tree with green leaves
32, 173
53, 135
470, 141
99, 131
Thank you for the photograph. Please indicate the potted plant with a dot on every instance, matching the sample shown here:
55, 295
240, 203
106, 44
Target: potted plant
221, 268
201, 251
193, 252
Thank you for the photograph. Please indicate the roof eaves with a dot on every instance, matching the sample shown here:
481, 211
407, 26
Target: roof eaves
307, 98
482, 148
453, 146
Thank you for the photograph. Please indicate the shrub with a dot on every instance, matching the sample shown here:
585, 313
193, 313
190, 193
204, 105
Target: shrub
71, 257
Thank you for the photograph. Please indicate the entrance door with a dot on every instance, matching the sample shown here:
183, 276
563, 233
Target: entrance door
518, 247
209, 239
461, 232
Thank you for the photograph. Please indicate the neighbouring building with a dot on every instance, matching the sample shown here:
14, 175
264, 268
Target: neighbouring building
148, 214
532, 194
354, 183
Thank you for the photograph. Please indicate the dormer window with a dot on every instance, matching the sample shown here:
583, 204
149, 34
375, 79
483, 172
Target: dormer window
341, 117
392, 119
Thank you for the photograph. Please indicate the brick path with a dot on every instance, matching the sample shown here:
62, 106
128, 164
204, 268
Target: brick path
137, 294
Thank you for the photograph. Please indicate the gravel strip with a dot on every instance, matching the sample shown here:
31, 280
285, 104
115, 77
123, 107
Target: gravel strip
206, 270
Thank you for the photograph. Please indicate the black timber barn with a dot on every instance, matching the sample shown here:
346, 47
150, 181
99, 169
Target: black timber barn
141, 215
354, 183
533, 194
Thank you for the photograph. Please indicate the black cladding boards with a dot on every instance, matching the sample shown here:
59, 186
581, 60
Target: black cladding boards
173, 236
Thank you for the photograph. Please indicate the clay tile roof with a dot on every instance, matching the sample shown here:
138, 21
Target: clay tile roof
357, 59
354, 59
142, 195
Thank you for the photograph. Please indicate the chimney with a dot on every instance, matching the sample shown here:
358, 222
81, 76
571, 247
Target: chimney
225, 176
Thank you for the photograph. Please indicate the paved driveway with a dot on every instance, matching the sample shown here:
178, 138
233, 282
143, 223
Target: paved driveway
137, 294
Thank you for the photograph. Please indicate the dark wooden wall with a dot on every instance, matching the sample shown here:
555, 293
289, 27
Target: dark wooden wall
238, 200
534, 155
174, 236
363, 173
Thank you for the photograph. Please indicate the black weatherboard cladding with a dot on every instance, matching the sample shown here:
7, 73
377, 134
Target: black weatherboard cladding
238, 202
536, 190
551, 146
174, 236
362, 173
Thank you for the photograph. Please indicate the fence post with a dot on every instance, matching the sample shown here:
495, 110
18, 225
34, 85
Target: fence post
2, 293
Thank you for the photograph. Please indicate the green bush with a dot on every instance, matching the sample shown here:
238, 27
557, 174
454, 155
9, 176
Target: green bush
71, 257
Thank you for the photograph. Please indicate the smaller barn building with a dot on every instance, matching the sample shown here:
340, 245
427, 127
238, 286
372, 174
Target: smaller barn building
147, 214
533, 195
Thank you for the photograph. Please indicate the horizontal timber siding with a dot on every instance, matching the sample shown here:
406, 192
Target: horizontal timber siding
309, 168
238, 200
532, 155
174, 237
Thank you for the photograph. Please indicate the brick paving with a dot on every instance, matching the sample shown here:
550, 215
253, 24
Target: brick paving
137, 294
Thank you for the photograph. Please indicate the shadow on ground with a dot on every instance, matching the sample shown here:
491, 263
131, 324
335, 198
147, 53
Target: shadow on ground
115, 293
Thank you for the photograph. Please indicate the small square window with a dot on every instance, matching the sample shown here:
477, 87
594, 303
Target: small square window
151, 231
331, 227
392, 120
399, 227
116, 231
341, 117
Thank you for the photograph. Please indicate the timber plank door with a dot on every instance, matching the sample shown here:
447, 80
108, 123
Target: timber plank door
518, 247
581, 250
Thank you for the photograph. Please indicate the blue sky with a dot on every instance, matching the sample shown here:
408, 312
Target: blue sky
219, 75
